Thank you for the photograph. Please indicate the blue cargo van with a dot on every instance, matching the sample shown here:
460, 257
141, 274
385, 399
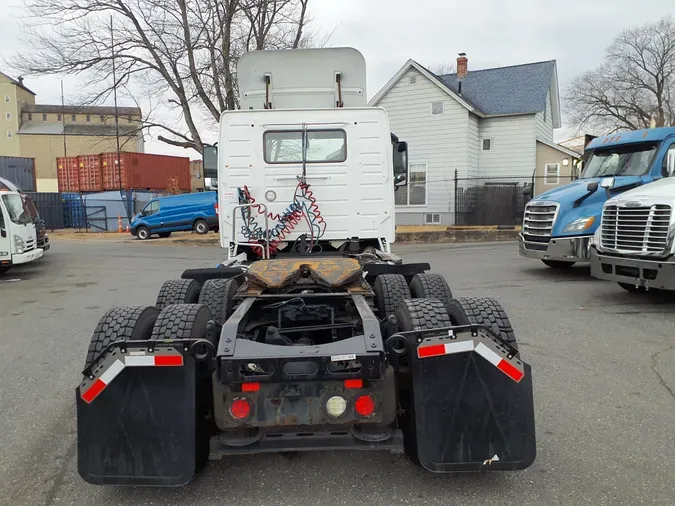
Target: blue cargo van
191, 211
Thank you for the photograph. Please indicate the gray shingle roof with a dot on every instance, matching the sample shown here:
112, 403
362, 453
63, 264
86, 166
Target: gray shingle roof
521, 89
81, 109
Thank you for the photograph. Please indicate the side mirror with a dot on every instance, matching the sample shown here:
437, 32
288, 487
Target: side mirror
3, 232
592, 187
607, 183
400, 163
210, 161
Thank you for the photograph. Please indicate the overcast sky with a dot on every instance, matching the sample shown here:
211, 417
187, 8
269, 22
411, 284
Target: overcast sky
388, 32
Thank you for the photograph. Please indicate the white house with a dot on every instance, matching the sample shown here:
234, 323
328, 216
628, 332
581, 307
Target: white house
488, 124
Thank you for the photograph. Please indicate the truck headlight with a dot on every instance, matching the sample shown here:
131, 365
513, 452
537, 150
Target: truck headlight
580, 224
19, 244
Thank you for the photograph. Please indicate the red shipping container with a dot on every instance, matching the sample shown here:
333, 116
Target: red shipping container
68, 174
142, 171
91, 177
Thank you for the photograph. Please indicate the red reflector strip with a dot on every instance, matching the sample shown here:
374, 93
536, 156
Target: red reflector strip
510, 371
93, 391
169, 360
103, 381
435, 350
503, 365
250, 387
354, 383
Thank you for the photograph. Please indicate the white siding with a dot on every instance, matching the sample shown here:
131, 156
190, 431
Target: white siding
514, 147
438, 140
473, 146
545, 127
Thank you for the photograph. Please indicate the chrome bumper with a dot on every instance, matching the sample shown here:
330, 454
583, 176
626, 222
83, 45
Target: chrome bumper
655, 274
565, 249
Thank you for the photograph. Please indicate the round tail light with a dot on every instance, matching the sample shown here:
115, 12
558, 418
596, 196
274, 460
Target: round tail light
240, 409
364, 405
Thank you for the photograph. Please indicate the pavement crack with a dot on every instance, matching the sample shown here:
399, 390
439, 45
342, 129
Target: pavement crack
654, 356
60, 474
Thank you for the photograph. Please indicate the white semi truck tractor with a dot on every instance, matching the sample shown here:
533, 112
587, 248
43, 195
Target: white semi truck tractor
635, 243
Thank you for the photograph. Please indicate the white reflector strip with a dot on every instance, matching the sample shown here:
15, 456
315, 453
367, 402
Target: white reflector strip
458, 347
112, 371
139, 361
488, 354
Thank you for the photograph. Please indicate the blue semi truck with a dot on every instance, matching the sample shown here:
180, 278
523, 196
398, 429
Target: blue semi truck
558, 225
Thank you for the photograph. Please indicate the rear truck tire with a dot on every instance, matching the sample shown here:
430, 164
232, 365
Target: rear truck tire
218, 296
4, 269
201, 227
129, 323
390, 291
482, 311
143, 233
558, 264
164, 235
415, 314
430, 286
178, 291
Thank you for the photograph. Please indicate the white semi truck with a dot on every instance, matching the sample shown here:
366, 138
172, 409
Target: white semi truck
311, 335
635, 243
18, 235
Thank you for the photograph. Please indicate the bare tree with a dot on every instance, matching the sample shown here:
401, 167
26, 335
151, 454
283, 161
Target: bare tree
634, 88
182, 53
442, 69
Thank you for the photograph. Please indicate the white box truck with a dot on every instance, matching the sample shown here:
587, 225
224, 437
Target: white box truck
18, 236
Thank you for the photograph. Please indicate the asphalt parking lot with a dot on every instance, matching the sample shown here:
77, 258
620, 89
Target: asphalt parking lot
603, 363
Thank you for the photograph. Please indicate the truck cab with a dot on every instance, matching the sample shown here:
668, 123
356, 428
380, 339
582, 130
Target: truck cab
18, 237
558, 225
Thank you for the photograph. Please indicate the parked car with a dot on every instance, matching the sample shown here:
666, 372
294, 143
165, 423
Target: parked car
191, 211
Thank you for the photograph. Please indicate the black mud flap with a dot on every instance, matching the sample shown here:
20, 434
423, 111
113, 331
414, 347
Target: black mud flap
137, 425
472, 413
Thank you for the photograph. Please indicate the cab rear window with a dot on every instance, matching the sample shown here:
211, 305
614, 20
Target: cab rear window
321, 146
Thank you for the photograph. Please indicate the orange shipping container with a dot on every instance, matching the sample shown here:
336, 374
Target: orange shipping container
141, 171
68, 174
91, 177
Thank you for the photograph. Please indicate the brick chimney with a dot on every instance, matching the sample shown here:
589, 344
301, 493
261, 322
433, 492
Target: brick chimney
462, 66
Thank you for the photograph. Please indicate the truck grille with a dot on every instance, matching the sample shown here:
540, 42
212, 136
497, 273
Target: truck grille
635, 229
538, 221
29, 246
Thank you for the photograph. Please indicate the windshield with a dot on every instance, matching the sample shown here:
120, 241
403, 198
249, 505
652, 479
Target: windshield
629, 160
16, 209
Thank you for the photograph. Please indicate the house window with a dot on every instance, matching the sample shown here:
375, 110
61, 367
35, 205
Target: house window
73, 117
30, 117
130, 119
412, 80
8, 116
432, 218
552, 173
9, 134
44, 117
487, 144
58, 117
88, 118
102, 118
8, 99
437, 108
415, 192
